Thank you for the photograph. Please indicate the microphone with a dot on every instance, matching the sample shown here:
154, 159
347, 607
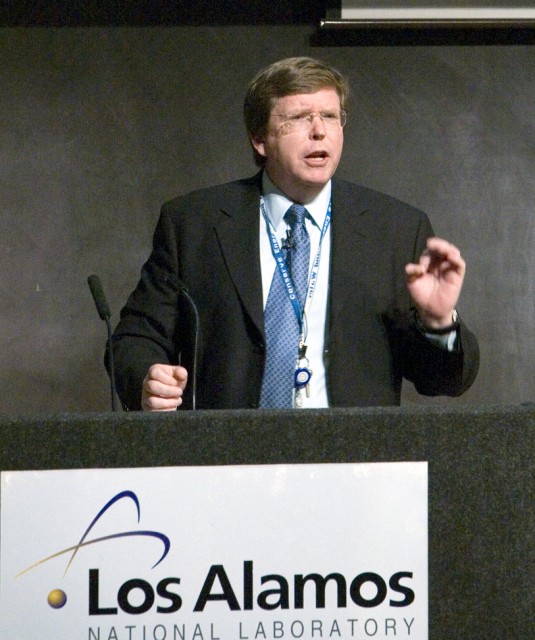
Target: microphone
104, 312
98, 296
180, 288
289, 243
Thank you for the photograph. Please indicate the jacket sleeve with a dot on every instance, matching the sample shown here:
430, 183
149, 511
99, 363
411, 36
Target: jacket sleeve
432, 369
437, 371
147, 331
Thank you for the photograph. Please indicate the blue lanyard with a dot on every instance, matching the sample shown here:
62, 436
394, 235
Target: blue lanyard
283, 268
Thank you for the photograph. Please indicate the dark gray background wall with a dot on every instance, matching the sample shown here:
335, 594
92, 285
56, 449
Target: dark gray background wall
99, 125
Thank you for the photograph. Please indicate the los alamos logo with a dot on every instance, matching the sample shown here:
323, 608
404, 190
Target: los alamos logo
269, 592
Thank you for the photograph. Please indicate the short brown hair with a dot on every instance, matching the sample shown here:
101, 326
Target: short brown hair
287, 77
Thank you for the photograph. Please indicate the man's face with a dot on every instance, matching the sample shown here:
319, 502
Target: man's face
300, 162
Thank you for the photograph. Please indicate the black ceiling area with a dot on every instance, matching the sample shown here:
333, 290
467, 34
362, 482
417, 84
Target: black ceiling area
79, 13
322, 15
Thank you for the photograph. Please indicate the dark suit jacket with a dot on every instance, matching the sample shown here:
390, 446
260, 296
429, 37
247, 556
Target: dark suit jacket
208, 240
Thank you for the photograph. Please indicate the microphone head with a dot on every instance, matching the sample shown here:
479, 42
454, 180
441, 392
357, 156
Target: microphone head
98, 296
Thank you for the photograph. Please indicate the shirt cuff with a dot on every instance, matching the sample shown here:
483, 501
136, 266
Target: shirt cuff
445, 338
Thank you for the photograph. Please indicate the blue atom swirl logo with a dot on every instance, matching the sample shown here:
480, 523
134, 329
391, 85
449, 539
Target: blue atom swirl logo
57, 598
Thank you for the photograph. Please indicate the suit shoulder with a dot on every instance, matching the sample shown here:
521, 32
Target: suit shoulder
366, 200
215, 194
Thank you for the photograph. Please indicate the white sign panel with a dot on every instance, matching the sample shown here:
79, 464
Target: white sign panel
215, 553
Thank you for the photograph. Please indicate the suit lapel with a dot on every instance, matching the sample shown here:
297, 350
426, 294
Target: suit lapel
238, 235
348, 246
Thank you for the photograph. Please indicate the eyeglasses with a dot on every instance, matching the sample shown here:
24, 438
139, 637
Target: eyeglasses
303, 121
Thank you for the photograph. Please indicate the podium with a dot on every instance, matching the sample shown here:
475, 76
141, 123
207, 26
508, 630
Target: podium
481, 481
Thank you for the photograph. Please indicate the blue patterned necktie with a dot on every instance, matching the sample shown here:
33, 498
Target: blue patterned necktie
281, 325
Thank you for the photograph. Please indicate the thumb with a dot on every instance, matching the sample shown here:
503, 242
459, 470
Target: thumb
180, 374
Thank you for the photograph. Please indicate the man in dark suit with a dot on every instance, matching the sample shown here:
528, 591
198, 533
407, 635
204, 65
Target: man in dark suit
376, 304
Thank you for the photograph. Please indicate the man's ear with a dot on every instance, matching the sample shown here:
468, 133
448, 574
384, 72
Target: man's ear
259, 144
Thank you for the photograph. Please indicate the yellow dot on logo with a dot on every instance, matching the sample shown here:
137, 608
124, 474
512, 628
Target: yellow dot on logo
57, 598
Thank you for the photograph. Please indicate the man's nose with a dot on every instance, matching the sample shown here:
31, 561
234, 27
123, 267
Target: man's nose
317, 126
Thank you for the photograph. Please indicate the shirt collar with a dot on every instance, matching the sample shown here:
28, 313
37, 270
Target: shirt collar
277, 203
